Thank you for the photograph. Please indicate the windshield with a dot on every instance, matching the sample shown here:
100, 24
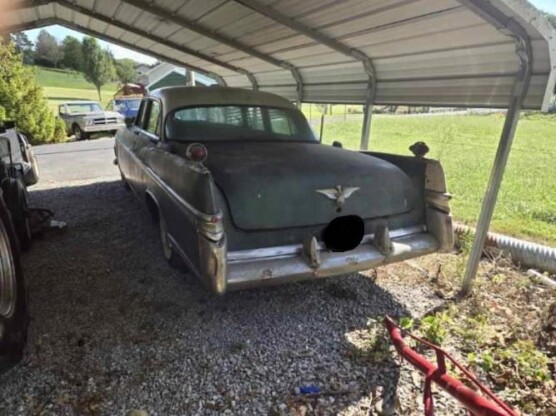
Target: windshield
233, 122
84, 108
129, 104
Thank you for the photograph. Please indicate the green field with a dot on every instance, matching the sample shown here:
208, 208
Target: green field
60, 86
466, 146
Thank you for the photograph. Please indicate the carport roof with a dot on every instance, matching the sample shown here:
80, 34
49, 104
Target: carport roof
414, 52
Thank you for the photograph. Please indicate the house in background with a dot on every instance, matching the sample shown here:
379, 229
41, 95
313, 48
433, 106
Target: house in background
141, 69
168, 75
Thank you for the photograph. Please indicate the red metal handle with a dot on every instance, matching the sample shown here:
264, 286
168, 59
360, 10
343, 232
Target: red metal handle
473, 402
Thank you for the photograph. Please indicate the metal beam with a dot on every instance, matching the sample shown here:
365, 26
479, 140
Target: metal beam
142, 33
55, 20
524, 53
333, 44
212, 34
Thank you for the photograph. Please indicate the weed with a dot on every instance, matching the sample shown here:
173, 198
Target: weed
433, 327
238, 347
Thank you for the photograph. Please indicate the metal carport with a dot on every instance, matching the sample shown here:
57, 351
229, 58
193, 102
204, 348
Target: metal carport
472, 53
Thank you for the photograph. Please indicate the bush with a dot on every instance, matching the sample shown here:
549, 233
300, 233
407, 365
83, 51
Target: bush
21, 98
60, 133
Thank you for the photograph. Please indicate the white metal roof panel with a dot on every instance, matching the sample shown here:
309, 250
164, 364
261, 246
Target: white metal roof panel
426, 52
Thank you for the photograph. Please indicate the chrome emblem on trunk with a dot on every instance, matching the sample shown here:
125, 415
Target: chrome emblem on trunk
338, 194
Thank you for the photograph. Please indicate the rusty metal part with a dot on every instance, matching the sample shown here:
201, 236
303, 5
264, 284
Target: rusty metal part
477, 405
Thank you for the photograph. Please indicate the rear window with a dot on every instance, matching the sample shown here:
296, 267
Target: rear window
237, 123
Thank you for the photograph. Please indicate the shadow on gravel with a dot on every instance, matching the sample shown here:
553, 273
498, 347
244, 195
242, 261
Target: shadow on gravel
115, 328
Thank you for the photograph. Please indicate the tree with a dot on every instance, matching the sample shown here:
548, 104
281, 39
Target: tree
21, 98
72, 53
98, 68
47, 50
125, 70
24, 46
551, 18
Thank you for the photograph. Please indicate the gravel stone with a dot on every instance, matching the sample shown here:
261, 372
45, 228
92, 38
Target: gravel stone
115, 328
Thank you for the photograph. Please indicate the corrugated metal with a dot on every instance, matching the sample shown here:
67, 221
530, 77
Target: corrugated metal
426, 52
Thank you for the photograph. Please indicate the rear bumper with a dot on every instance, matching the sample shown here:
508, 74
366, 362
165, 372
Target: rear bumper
277, 265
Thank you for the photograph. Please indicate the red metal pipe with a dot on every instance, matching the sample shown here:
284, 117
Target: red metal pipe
474, 403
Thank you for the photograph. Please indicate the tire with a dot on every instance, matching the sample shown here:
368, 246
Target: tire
16, 198
14, 318
79, 133
124, 181
168, 251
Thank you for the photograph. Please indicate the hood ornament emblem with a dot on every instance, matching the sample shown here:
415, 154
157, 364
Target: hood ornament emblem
338, 194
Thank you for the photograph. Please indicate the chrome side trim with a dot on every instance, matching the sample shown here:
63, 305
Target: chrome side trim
291, 250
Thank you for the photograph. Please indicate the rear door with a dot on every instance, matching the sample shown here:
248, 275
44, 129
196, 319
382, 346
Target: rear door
126, 144
147, 137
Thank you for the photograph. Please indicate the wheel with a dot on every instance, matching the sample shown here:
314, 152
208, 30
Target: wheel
79, 134
169, 253
16, 199
14, 318
124, 181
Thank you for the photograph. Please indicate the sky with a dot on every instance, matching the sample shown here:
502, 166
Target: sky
119, 52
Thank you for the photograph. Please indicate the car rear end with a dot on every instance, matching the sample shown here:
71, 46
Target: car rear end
255, 247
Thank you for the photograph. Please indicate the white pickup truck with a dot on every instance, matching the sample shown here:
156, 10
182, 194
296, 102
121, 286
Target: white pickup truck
85, 117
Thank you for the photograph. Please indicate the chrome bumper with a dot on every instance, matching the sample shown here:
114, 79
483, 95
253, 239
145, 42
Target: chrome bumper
260, 267
103, 127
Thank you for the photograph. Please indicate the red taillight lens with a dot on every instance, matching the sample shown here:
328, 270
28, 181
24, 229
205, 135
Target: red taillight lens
196, 152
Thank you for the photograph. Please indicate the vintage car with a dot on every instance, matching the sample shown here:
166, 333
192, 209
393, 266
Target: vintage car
246, 195
82, 118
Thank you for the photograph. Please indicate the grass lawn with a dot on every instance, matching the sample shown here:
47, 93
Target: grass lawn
60, 86
466, 146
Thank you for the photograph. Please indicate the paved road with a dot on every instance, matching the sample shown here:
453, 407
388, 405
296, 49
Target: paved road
76, 160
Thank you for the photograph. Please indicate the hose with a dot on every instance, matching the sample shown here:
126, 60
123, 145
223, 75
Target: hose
522, 252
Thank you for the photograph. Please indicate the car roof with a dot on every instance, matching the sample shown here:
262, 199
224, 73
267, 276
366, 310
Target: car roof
177, 97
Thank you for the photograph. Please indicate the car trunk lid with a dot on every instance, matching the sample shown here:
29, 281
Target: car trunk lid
270, 185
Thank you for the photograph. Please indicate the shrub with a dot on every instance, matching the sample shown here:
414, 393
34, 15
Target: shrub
21, 98
60, 133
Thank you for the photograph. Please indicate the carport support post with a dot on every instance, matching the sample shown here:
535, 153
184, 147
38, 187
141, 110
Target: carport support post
366, 132
523, 50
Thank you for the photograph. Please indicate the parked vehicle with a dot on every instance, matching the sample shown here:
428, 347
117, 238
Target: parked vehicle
83, 118
22, 155
18, 169
245, 195
14, 316
126, 106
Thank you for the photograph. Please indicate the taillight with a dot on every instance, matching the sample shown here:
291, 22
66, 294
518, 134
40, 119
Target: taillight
196, 152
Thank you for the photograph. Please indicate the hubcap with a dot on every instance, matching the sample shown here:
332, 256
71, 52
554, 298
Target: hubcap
8, 286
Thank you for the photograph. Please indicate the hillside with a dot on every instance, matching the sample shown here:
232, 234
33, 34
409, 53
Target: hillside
60, 86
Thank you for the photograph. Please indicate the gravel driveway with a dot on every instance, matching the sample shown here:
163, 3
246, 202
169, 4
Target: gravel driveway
114, 328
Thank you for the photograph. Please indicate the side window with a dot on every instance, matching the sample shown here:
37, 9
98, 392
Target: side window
140, 118
154, 115
62, 110
280, 123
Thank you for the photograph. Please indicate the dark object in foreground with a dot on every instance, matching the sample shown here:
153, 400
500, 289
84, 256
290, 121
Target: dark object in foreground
476, 405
